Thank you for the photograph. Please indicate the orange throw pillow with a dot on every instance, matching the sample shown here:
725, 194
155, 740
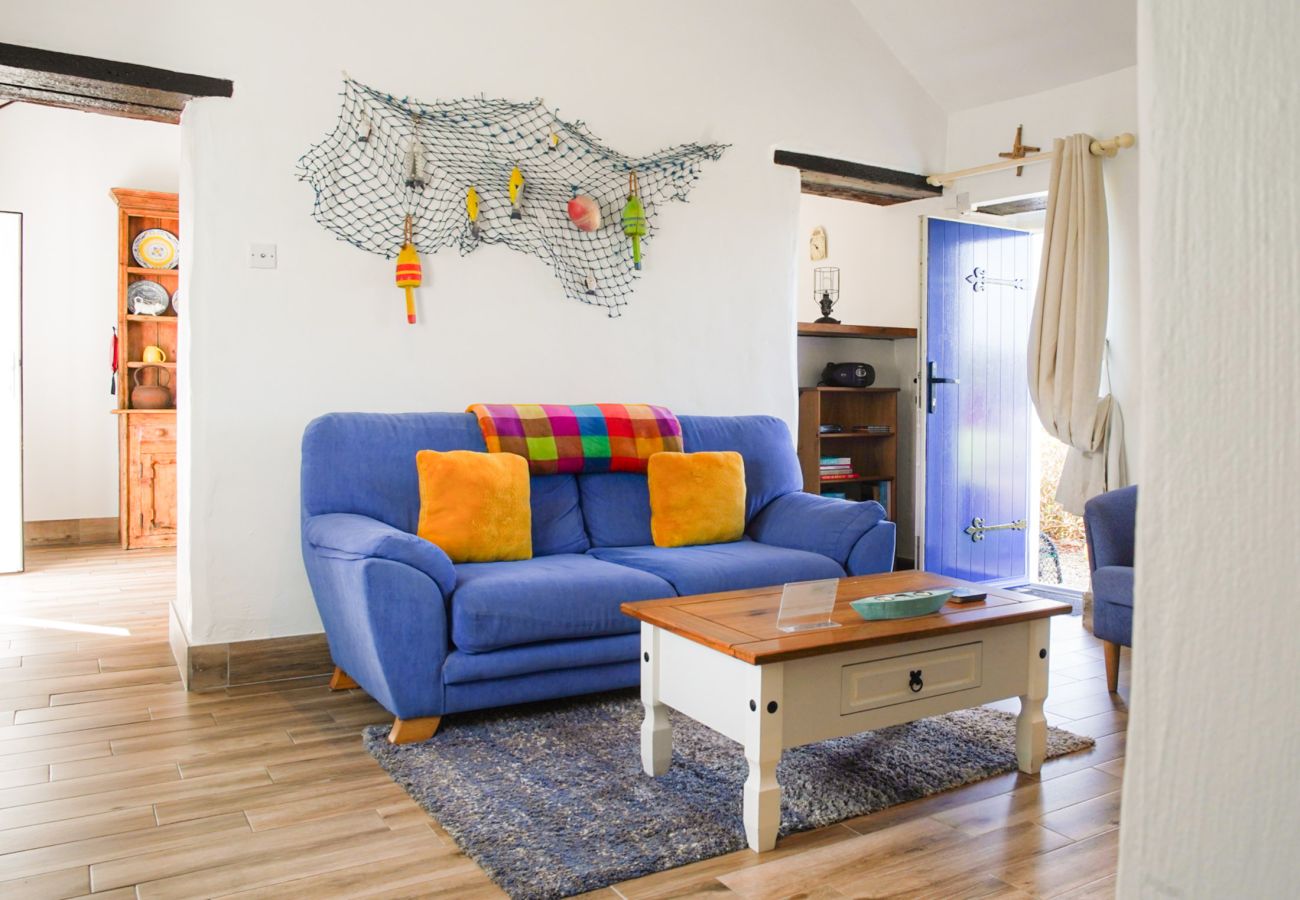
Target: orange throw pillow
475, 505
696, 498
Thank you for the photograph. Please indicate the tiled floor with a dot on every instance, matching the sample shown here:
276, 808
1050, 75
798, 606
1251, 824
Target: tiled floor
115, 780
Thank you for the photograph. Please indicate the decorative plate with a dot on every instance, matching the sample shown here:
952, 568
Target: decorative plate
176, 300
156, 249
146, 298
901, 606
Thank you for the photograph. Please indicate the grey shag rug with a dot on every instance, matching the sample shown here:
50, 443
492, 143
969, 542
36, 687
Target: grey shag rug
550, 798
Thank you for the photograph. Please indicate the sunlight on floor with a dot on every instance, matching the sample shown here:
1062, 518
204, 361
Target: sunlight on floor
55, 625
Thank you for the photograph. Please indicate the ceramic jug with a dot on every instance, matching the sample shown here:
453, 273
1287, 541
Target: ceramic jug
151, 396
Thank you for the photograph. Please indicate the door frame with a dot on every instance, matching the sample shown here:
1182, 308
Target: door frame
919, 412
17, 370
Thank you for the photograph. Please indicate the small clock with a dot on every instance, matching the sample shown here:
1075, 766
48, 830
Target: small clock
817, 243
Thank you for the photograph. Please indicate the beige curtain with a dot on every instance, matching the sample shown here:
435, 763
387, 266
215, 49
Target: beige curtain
1067, 340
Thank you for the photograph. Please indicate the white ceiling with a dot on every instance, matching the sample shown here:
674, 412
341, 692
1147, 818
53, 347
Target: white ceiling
967, 53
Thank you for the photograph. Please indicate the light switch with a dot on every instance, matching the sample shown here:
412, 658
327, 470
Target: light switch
261, 256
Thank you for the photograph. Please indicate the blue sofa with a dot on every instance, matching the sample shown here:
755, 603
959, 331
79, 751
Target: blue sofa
1109, 521
426, 637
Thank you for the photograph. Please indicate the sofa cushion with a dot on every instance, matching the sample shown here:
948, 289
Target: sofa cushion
616, 506
364, 463
616, 509
771, 465
462, 667
722, 567
557, 515
547, 598
1113, 584
475, 505
696, 498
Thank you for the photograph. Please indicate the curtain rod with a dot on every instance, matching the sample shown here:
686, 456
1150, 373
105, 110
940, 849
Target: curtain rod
1098, 148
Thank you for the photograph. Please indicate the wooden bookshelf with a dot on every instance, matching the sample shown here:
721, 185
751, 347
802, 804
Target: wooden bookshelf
146, 437
873, 457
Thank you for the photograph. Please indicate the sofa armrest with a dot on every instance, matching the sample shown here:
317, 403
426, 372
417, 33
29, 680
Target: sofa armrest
874, 551
351, 536
825, 525
385, 619
1109, 524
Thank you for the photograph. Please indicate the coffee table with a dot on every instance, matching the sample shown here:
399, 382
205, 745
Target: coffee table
720, 659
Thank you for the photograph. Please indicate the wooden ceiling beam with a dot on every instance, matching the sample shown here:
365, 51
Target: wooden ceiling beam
50, 78
1012, 207
845, 180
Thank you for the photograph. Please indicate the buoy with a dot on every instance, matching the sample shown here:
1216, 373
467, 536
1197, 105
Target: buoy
471, 208
634, 224
409, 272
584, 212
516, 193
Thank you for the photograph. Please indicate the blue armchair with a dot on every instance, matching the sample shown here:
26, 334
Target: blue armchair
1108, 521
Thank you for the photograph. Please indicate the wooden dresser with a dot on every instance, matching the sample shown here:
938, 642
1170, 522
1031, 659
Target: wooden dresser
146, 437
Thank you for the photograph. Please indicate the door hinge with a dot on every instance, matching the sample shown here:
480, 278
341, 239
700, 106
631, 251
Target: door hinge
977, 528
979, 278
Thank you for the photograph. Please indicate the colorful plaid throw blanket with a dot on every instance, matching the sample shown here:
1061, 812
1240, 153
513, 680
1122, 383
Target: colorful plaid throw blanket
595, 437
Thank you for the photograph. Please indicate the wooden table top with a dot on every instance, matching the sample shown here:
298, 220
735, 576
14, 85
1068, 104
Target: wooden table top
743, 623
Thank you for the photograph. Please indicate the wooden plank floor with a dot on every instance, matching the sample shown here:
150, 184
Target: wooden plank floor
114, 780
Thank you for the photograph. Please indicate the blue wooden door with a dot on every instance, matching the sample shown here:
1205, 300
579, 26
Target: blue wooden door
975, 400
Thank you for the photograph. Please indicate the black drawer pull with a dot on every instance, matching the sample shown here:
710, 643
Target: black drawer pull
915, 682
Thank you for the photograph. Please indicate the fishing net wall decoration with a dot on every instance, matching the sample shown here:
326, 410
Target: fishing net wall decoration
454, 167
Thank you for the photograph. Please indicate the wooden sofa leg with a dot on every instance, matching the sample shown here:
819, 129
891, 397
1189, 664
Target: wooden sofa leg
341, 681
410, 731
1111, 650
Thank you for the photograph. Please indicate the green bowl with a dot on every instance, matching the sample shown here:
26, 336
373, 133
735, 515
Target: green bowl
901, 606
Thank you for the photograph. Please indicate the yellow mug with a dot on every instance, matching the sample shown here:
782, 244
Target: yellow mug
153, 354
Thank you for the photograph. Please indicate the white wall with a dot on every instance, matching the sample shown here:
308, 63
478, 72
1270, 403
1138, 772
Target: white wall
717, 296
1102, 106
56, 167
876, 249
1211, 786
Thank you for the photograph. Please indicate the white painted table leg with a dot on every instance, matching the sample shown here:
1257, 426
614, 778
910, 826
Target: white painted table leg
656, 729
763, 751
1031, 724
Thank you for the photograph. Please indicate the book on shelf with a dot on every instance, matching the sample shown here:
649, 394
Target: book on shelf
836, 470
835, 495
879, 491
838, 476
835, 460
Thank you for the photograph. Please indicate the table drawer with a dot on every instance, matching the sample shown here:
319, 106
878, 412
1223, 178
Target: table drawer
901, 679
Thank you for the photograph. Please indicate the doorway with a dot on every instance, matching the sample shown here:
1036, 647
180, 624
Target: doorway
1062, 548
76, 127
11, 393
79, 270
